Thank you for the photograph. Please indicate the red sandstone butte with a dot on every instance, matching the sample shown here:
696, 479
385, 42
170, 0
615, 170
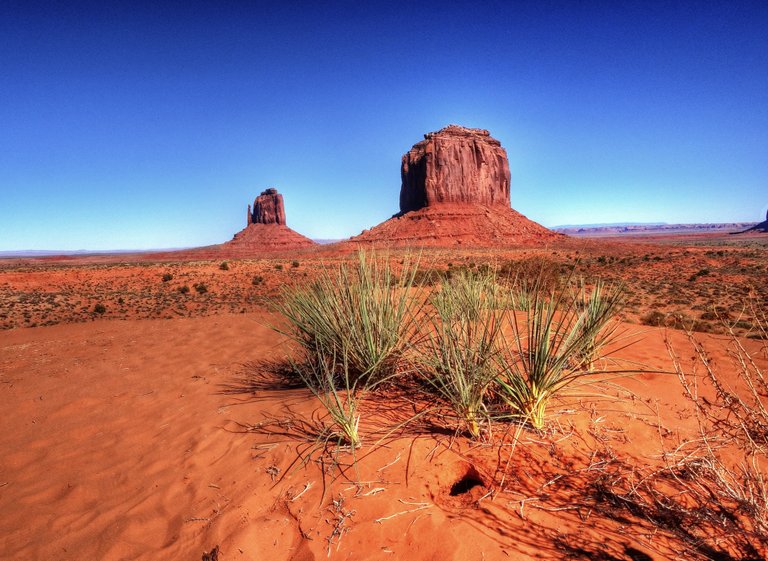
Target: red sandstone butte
455, 165
268, 208
456, 192
265, 228
265, 232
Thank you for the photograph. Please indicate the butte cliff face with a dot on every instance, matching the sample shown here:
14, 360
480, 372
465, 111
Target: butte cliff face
268, 208
455, 165
456, 192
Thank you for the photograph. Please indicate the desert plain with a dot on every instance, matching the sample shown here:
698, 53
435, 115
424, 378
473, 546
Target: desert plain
144, 420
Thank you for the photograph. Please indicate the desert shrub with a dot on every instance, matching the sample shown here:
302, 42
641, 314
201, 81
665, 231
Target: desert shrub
99, 308
184, 289
532, 271
167, 277
279, 267
257, 280
654, 318
201, 288
726, 496
456, 357
295, 264
429, 277
355, 312
224, 266
546, 352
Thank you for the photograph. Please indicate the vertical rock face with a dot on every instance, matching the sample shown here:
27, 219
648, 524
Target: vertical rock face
455, 165
268, 208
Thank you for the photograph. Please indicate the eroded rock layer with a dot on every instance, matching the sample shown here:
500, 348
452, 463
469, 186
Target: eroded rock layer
455, 165
268, 208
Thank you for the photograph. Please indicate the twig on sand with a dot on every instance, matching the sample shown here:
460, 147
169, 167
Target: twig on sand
393, 462
419, 506
339, 529
307, 487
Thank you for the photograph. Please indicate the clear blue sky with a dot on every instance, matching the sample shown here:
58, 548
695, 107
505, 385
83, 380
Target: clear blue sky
153, 124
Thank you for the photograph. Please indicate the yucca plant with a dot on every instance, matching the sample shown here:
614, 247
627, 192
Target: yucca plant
327, 376
598, 309
545, 355
363, 313
456, 357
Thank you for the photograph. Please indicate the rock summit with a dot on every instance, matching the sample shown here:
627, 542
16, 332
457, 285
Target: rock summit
268, 208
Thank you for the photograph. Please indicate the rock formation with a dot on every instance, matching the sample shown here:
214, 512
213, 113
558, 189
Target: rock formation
268, 208
761, 227
265, 232
456, 191
455, 165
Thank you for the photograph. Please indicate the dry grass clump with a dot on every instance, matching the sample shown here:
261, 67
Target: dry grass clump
362, 314
356, 326
599, 308
554, 343
460, 344
712, 490
328, 378
353, 325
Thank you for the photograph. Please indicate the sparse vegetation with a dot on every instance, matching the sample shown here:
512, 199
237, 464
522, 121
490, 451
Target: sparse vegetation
328, 378
224, 266
363, 315
600, 306
551, 341
460, 343
167, 277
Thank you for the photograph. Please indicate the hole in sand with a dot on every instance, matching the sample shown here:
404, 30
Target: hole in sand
469, 481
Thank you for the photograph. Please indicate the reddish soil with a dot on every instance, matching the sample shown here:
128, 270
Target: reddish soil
171, 435
681, 281
165, 439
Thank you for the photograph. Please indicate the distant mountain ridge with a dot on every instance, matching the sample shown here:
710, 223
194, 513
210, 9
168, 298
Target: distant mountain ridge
608, 225
65, 252
645, 229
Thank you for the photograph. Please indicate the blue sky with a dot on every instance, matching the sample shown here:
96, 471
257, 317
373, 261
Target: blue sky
154, 124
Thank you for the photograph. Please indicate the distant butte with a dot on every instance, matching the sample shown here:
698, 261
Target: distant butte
265, 232
266, 228
761, 227
456, 191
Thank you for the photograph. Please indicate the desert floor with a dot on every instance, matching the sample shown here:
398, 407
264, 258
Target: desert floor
163, 428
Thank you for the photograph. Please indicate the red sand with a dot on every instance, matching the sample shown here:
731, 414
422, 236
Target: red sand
124, 440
